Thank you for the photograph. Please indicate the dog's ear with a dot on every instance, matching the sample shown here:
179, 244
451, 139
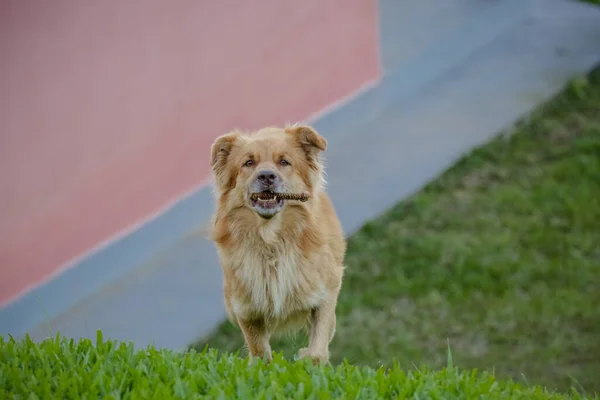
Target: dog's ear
219, 155
221, 149
311, 144
308, 138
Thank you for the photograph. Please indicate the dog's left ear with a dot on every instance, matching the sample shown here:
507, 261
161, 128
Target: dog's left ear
308, 138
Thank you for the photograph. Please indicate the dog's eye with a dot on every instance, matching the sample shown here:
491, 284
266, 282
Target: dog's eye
284, 162
249, 163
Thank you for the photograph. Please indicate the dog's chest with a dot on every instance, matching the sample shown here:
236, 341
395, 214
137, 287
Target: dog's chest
275, 283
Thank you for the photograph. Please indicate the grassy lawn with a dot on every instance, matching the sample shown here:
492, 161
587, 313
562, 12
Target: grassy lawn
59, 368
499, 257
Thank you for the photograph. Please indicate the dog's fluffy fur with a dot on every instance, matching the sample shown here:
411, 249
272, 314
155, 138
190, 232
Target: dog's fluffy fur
282, 263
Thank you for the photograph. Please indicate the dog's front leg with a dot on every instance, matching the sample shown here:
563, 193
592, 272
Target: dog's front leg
257, 337
322, 330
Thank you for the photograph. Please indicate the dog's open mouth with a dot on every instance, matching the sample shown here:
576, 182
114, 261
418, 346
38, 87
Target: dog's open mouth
266, 203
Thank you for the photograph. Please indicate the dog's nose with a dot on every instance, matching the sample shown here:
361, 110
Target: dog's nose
267, 177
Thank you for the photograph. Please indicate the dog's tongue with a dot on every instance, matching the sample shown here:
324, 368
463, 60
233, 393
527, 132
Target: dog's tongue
267, 203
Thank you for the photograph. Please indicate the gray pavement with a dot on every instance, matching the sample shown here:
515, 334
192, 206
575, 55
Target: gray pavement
454, 77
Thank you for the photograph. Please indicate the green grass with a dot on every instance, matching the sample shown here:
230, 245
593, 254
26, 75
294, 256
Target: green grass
500, 256
66, 369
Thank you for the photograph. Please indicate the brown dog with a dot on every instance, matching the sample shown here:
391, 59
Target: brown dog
282, 260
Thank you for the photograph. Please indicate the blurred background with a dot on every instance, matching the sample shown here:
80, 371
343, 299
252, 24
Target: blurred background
108, 110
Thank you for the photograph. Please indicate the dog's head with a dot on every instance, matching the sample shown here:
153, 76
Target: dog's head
271, 160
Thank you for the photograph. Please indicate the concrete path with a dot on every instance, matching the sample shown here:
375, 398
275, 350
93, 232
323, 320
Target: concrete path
455, 75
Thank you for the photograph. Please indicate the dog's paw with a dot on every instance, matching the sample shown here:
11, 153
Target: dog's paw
316, 357
267, 358
303, 352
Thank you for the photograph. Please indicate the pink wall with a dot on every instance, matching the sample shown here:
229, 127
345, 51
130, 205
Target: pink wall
108, 108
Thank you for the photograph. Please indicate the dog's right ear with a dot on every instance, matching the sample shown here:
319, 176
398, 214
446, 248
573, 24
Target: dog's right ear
221, 149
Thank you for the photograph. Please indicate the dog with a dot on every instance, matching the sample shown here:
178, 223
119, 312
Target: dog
282, 260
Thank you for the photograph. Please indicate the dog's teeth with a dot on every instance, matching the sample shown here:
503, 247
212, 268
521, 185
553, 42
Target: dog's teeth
263, 197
